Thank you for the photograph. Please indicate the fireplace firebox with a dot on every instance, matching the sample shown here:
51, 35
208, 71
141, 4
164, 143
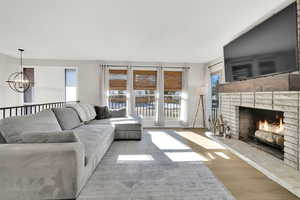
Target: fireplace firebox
262, 129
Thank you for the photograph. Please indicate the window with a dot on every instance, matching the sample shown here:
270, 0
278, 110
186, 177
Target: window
70, 85
215, 80
117, 89
28, 94
145, 89
172, 94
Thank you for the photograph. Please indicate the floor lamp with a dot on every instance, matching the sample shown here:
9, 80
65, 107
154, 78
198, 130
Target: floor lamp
200, 92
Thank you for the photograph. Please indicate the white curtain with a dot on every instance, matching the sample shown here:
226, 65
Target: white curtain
130, 93
104, 85
160, 118
184, 98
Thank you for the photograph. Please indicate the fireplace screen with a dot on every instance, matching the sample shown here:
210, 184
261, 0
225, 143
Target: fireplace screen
263, 129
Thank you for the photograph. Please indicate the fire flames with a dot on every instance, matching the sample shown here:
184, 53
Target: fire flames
271, 127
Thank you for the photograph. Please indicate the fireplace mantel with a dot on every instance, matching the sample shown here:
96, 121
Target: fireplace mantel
281, 82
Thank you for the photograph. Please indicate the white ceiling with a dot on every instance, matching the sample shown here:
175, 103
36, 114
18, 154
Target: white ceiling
129, 30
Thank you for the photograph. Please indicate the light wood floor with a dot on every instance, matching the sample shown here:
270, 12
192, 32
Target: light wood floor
241, 179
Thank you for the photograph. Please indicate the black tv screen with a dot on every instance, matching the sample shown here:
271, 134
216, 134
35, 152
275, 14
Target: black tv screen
269, 48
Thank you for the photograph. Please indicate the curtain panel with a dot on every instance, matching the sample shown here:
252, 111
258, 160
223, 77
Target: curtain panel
130, 93
104, 85
160, 116
184, 98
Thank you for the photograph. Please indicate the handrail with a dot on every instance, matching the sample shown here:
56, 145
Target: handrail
30, 108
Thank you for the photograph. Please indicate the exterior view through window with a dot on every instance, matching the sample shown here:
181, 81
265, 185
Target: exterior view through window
117, 89
145, 91
71, 84
172, 94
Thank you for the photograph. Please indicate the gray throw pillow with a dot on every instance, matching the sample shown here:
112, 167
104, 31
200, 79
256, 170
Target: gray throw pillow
48, 137
67, 118
80, 111
92, 111
102, 112
89, 111
11, 128
118, 113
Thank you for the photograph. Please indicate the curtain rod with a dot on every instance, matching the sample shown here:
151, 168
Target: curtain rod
215, 64
136, 66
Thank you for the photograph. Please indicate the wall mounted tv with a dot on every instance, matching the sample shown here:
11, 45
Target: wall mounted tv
269, 48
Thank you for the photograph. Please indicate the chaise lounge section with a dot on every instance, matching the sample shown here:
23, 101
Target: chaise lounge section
52, 154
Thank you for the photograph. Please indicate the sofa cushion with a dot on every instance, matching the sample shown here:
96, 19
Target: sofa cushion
89, 110
128, 135
94, 137
122, 123
118, 113
67, 118
44, 121
80, 111
48, 137
92, 111
102, 112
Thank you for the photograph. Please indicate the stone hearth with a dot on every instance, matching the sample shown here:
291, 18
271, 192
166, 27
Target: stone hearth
286, 102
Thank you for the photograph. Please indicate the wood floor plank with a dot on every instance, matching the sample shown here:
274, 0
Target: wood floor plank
241, 179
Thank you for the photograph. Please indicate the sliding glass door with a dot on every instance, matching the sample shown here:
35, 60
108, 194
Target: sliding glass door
155, 94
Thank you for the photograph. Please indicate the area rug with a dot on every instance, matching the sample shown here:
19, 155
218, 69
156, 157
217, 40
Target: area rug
160, 167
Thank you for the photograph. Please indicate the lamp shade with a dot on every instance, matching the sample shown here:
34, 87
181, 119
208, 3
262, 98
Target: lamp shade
201, 90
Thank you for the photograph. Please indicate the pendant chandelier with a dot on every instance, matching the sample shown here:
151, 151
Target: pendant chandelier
19, 81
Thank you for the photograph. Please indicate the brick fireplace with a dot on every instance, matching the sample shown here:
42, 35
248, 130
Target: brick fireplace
237, 109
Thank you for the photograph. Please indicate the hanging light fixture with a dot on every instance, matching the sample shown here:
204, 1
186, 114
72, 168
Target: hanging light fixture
19, 81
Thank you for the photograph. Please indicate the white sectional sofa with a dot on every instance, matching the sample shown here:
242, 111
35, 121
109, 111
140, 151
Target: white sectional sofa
52, 154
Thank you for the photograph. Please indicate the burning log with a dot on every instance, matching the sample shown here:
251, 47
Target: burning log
270, 137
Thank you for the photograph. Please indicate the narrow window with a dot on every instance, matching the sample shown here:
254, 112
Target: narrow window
145, 90
71, 85
28, 94
172, 94
117, 89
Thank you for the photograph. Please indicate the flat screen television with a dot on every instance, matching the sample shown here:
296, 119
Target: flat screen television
267, 49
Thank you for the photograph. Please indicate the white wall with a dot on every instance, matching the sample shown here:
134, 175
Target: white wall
88, 76
49, 84
8, 97
196, 81
89, 81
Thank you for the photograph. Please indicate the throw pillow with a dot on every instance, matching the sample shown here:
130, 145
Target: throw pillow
12, 127
80, 111
102, 112
67, 118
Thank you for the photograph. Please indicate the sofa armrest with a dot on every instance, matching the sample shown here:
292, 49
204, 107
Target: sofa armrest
41, 171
